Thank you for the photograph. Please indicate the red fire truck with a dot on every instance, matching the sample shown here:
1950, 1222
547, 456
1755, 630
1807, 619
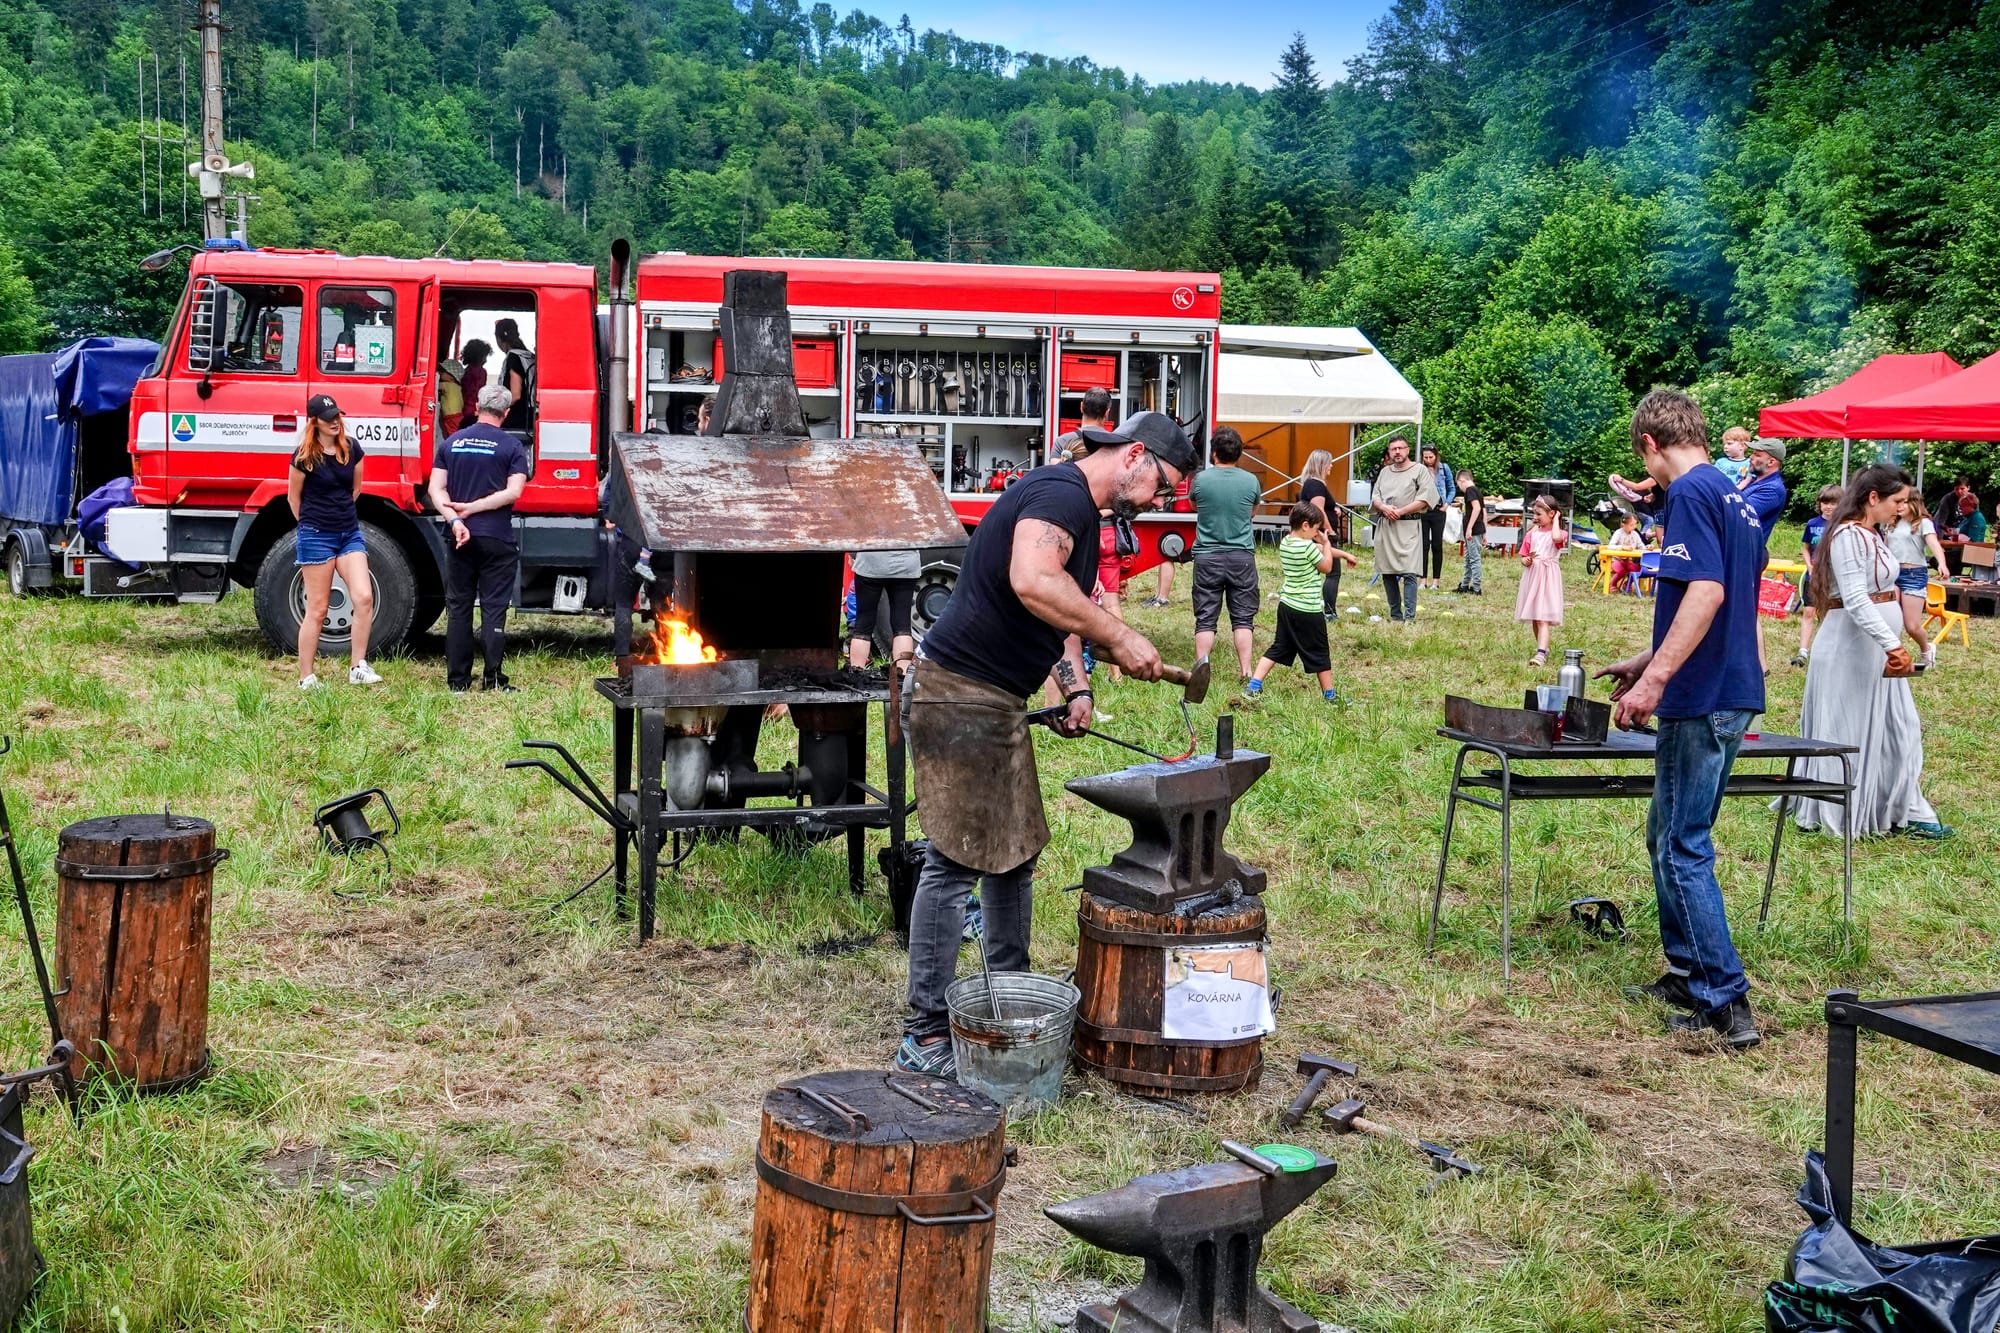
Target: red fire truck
980, 366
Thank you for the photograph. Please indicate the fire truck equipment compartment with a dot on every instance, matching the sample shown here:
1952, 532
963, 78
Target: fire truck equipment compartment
751, 494
812, 363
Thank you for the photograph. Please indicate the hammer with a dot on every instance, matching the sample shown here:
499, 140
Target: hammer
1346, 1118
1322, 1068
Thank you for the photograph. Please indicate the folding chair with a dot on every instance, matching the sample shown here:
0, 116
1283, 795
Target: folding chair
1934, 610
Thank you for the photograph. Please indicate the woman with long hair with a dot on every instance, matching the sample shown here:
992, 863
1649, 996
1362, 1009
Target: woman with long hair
325, 482
1912, 538
1858, 677
1313, 490
1433, 521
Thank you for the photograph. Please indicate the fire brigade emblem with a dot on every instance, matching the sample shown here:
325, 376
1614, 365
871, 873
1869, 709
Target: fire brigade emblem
1183, 298
183, 427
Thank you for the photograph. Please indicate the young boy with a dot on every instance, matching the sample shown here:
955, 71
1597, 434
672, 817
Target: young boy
1735, 463
1306, 555
1829, 496
1472, 506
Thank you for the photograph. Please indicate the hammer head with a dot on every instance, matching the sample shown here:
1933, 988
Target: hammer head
1197, 683
1341, 1118
1310, 1064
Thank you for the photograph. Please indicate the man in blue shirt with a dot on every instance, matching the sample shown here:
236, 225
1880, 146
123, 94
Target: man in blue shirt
1764, 491
478, 475
1702, 680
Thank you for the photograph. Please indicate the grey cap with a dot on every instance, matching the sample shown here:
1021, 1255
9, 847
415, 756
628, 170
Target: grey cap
1768, 445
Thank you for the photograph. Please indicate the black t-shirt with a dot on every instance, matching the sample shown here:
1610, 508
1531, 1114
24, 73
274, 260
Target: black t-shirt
522, 364
1467, 498
326, 501
477, 462
1313, 488
985, 632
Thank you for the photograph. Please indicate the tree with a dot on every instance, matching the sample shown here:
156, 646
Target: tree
24, 327
1159, 229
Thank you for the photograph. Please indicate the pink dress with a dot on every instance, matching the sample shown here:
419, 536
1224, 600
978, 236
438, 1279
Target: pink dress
1541, 595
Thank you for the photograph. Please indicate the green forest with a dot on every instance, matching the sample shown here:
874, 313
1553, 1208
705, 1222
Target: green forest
1537, 208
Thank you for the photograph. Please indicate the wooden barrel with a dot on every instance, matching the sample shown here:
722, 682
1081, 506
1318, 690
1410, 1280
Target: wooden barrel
1121, 968
874, 1206
132, 937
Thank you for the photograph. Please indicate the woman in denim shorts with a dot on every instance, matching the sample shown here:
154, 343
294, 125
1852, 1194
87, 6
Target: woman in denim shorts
325, 481
1913, 541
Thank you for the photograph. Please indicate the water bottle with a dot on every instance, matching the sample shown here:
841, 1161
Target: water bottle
1571, 676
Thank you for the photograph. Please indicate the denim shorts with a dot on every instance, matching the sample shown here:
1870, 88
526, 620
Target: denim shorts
1912, 578
317, 546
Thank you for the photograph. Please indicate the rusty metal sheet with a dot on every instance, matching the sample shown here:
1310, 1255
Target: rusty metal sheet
1512, 726
762, 493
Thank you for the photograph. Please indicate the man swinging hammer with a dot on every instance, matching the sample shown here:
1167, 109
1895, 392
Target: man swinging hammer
1022, 606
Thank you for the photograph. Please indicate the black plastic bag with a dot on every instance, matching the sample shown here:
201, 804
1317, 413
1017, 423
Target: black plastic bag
1839, 1281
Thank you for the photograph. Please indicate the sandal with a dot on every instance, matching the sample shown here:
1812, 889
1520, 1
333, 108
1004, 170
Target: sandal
1541, 658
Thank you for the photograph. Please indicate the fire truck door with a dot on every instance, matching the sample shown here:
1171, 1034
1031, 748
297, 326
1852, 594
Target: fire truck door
364, 358
236, 392
423, 388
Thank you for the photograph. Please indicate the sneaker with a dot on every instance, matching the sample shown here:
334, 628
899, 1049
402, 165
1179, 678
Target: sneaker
1798, 659
1737, 1024
1331, 696
457, 688
362, 674
975, 921
1930, 657
935, 1058
643, 566
309, 682
499, 683
1929, 830
1671, 990
1253, 686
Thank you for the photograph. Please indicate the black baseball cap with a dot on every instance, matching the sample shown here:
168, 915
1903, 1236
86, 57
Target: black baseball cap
1160, 433
321, 407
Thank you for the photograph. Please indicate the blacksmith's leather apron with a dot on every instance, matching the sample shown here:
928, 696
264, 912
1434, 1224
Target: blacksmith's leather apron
979, 799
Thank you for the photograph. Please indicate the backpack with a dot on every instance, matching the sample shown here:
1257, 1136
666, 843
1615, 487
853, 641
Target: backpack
524, 358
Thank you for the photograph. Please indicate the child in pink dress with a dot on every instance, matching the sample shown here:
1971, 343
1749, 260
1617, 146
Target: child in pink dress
1540, 602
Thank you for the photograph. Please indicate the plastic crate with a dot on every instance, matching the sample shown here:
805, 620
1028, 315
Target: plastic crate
813, 363
1089, 370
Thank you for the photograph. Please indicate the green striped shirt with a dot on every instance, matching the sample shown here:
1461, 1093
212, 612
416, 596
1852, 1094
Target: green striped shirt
1304, 585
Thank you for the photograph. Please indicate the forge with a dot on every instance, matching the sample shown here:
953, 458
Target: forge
749, 527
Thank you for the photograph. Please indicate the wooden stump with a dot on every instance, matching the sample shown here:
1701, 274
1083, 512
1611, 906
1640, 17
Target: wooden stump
132, 946
1121, 968
874, 1206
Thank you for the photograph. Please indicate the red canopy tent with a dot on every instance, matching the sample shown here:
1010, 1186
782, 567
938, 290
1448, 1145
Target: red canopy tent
1829, 414
1965, 406
1824, 416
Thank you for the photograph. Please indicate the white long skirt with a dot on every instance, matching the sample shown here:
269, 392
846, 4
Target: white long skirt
1849, 699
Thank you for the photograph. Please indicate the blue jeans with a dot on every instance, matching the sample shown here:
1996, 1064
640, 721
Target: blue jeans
1691, 766
937, 927
1401, 590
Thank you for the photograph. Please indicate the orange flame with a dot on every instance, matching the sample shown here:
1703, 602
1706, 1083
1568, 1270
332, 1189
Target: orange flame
677, 644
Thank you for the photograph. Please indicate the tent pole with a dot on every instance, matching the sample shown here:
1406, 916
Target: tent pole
1846, 452
1922, 447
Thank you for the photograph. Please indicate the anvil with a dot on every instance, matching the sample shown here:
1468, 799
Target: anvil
1178, 813
1200, 1230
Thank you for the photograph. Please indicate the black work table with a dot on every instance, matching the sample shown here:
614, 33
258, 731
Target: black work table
1499, 788
1965, 1028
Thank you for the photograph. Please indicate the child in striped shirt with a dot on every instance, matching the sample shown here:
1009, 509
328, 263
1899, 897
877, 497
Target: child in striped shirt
1306, 555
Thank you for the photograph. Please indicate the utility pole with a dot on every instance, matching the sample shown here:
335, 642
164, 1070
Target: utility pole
214, 163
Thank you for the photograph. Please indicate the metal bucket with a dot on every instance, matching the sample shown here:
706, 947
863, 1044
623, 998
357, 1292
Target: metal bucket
1017, 1059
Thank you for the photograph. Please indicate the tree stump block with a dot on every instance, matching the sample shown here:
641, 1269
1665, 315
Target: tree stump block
874, 1206
1121, 968
133, 900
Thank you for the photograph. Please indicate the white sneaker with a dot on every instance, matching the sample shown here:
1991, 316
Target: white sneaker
362, 674
309, 682
1930, 657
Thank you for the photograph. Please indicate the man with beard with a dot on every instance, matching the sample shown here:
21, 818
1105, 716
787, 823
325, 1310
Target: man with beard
1403, 491
1021, 607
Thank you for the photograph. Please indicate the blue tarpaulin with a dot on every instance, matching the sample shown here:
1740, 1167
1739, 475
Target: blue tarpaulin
42, 400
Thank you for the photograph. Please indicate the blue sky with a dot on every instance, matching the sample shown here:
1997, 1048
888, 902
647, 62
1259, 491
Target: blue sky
1167, 41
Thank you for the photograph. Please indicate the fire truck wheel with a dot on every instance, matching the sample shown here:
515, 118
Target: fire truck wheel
281, 597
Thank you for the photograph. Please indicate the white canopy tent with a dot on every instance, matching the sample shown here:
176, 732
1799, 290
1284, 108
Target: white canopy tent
1310, 375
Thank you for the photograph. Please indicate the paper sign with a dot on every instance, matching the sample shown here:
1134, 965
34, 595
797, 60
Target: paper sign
1221, 993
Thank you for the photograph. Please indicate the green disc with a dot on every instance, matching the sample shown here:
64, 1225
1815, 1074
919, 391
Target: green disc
1286, 1155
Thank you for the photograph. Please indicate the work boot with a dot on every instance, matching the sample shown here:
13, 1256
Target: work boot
1736, 1023
1671, 990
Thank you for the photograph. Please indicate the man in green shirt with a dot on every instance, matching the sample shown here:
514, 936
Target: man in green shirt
1225, 561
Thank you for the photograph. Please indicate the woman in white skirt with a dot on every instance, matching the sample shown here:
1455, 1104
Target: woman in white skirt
1858, 680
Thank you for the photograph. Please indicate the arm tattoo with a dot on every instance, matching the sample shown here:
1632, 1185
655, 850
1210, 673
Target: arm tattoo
1066, 676
1056, 537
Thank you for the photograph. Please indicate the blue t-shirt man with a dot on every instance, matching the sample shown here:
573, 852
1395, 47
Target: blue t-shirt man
1766, 496
1712, 536
477, 462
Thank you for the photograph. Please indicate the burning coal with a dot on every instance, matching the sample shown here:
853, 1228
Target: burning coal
674, 643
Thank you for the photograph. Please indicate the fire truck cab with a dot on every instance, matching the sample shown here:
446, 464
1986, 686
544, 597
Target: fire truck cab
258, 332
980, 366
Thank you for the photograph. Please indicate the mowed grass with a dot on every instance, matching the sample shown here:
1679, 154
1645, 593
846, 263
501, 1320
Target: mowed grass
444, 1100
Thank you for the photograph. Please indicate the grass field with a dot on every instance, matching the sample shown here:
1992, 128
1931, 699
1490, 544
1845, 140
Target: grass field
443, 1101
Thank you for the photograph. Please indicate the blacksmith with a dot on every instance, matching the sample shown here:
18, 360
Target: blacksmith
1021, 608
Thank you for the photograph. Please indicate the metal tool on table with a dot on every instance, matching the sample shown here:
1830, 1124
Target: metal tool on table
1201, 1232
1320, 1068
1347, 1118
